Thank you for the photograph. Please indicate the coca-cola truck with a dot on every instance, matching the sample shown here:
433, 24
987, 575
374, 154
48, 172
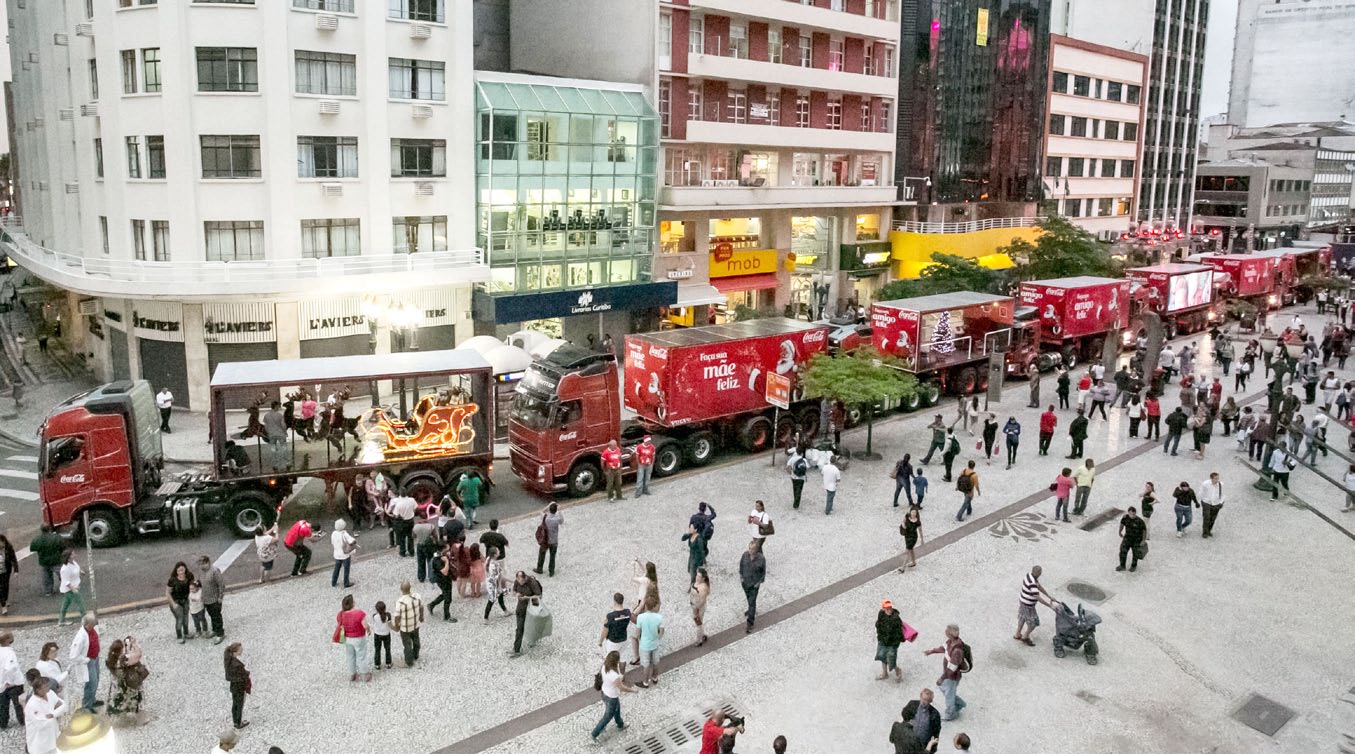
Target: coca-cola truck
1181, 294
101, 458
1292, 264
945, 339
693, 390
1250, 277
1075, 316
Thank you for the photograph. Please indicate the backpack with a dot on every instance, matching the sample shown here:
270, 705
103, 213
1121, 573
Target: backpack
968, 658
965, 483
801, 466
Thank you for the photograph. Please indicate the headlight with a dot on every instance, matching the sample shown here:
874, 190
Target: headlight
540, 473
1213, 316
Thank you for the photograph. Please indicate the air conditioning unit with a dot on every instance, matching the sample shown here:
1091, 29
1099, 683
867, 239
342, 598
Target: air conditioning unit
90, 109
66, 113
88, 307
423, 111
84, 30
331, 189
423, 188
329, 107
42, 185
60, 39
420, 31
32, 57
326, 22
72, 188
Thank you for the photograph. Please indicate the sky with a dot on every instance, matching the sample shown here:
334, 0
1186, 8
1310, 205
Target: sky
1218, 57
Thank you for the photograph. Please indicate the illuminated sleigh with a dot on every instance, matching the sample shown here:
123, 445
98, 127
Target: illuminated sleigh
432, 431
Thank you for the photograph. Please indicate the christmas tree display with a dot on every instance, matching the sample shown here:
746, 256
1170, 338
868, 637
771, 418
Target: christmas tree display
942, 337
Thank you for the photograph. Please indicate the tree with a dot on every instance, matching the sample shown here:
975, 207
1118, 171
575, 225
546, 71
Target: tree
1061, 250
863, 377
946, 274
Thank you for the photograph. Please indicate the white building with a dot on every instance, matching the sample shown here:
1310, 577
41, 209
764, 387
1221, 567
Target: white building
1292, 61
221, 180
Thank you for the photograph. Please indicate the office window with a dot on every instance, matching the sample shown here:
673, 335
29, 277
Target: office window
666, 41
1114, 91
93, 79
231, 157
865, 116
694, 103
1060, 82
1107, 168
150, 69
1082, 86
415, 234
838, 5
139, 239
1130, 132
128, 71
327, 157
1126, 168
233, 240
736, 107
1053, 166
412, 158
1056, 124
155, 156
417, 79
1078, 126
228, 69
160, 240
333, 6
774, 108
806, 51
1075, 167
331, 237
1112, 130
738, 40
696, 35
835, 115
103, 232
1104, 207
417, 10
330, 73
1132, 93
99, 158
836, 54
665, 108
774, 45
802, 111
133, 156
886, 117
1096, 88
1072, 207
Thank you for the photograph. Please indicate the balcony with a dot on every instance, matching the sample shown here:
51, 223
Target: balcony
787, 137
973, 226
716, 196
124, 278
712, 65
809, 17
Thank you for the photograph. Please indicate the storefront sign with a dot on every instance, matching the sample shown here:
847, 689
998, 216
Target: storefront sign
96, 327
746, 262
722, 251
679, 274
109, 314
158, 320
437, 304
332, 319
528, 306
875, 258
238, 323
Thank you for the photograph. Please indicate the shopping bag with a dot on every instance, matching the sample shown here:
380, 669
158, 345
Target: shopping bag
538, 626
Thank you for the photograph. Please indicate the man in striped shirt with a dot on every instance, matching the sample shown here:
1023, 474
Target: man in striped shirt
409, 615
1032, 592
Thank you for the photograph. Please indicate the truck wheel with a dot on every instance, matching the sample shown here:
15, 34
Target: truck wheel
667, 459
756, 434
809, 422
454, 478
1044, 362
584, 479
914, 401
854, 416
106, 528
249, 511
785, 430
983, 382
1098, 347
700, 448
1069, 357
421, 487
931, 393
966, 381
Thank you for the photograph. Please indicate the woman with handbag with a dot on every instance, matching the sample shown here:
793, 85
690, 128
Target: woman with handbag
760, 525
240, 684
495, 585
911, 529
611, 682
351, 630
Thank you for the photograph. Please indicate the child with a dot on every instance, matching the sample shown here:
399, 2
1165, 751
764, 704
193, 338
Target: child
381, 636
195, 607
919, 486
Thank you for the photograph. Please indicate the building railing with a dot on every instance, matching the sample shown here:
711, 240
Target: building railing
910, 226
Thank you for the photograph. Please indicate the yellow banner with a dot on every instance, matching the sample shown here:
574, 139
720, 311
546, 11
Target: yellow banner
982, 32
743, 262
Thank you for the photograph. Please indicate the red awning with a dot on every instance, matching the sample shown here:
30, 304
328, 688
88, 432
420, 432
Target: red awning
745, 283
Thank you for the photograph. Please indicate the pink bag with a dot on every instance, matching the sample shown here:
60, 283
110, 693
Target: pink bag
909, 633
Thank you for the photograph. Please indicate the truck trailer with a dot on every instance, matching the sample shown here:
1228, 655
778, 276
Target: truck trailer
1076, 315
945, 339
1181, 294
1250, 277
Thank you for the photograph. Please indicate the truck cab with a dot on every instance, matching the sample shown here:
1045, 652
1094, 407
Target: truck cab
1024, 348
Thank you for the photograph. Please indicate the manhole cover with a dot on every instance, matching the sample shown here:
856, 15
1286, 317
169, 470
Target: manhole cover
680, 735
1102, 518
1260, 713
1086, 591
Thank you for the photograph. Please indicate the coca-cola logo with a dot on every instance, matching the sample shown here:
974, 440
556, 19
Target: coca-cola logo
658, 353
72, 478
816, 336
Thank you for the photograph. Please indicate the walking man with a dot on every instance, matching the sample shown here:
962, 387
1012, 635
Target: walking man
903, 479
1012, 431
1033, 374
528, 591
1211, 502
1280, 464
952, 450
403, 509
83, 659
798, 467
938, 428
1132, 533
1084, 475
1032, 592
213, 592
968, 485
551, 519
1176, 424
1048, 421
954, 663
1077, 432
611, 468
888, 636
409, 616
752, 572
831, 476
644, 458
920, 730
164, 400
1185, 500
48, 546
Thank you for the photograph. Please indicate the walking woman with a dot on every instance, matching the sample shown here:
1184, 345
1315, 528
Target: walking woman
176, 591
1146, 502
646, 582
911, 529
240, 684
989, 436
381, 636
9, 565
351, 631
475, 584
613, 683
495, 586
699, 593
696, 550
70, 587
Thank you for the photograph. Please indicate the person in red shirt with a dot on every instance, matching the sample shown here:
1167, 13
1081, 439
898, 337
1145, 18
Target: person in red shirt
1048, 421
644, 458
715, 729
295, 542
1153, 410
611, 468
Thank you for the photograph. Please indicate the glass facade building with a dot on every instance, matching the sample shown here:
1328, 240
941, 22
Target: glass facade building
566, 184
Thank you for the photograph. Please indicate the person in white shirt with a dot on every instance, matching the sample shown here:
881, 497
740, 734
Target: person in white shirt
48, 666
344, 544
831, 475
403, 510
226, 741
11, 681
70, 587
84, 667
613, 683
1210, 496
42, 718
1349, 483
164, 400
758, 518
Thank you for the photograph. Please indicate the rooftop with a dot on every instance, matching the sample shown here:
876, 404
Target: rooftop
941, 301
1080, 281
339, 368
753, 328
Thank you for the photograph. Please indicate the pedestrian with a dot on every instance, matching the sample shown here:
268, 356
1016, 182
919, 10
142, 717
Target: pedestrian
42, 718
381, 635
496, 585
798, 467
1122, 382
11, 681
920, 730
1316, 435
644, 469
1084, 389
938, 428
697, 547
424, 552
49, 667
697, 596
919, 486
1348, 481
964, 413
84, 661
1228, 414
1077, 432
1166, 361
1033, 375
1147, 501
266, 548
954, 664
615, 625
989, 436
344, 546
1032, 593
650, 623
1185, 500
903, 477
551, 519
1136, 415
469, 489
296, 541
528, 591
888, 635
237, 678
48, 546
968, 485
473, 580
1048, 421
952, 450
1062, 488
831, 476
962, 742
646, 580
1152, 410
494, 539
1061, 388
752, 572
612, 681
409, 616
760, 525
275, 431
70, 587
213, 593
1100, 395
443, 570
1260, 438
226, 741
164, 401
1012, 432
1085, 476
714, 730
350, 630
837, 419
1176, 424
1133, 533
176, 596
403, 510
1202, 429
611, 469
704, 521
1244, 370
911, 530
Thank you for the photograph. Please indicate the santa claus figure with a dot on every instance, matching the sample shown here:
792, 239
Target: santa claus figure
650, 396
1051, 320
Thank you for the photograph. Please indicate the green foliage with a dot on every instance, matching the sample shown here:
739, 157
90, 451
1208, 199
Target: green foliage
744, 312
1314, 282
947, 274
1061, 250
855, 379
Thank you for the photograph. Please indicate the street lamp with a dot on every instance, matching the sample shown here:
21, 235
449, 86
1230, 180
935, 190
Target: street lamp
404, 319
87, 733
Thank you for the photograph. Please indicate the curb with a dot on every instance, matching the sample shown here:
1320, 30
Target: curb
15, 439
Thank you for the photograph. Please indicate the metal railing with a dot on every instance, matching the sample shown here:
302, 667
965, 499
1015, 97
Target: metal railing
910, 226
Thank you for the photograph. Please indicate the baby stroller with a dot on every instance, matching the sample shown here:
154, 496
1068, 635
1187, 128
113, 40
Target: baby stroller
1075, 630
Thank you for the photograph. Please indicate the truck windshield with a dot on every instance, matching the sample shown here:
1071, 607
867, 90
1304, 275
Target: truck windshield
531, 410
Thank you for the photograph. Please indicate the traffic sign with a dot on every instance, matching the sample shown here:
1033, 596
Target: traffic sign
778, 390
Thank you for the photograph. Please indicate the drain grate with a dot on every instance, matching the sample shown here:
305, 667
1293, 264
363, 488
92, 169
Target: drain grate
1262, 714
1102, 518
676, 736
1084, 591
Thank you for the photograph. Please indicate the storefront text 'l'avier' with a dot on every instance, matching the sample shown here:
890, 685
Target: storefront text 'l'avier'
157, 325
326, 323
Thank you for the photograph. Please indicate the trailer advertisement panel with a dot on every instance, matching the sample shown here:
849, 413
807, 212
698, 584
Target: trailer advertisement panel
895, 331
1075, 312
1190, 290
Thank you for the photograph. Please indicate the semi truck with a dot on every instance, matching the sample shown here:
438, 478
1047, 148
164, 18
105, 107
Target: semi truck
1181, 294
1250, 277
1292, 264
1075, 315
693, 390
945, 339
101, 458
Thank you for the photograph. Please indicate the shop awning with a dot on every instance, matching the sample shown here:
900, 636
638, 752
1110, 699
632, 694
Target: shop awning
739, 283
698, 294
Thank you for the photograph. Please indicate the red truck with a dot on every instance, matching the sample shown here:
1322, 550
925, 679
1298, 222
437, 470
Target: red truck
1075, 316
101, 458
945, 339
1182, 294
1292, 264
692, 390
1250, 277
